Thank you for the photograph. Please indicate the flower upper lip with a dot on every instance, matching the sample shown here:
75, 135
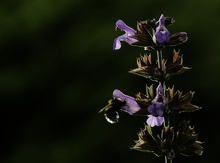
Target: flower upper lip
121, 25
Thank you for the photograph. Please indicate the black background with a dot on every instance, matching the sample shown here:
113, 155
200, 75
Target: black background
58, 69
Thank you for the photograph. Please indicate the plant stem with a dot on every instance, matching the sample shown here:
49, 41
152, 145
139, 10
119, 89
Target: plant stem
168, 160
167, 121
165, 159
159, 58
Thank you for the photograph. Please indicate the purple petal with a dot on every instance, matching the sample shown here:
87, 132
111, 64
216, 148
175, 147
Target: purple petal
126, 38
162, 19
160, 95
154, 121
131, 106
159, 89
117, 44
162, 35
156, 109
121, 25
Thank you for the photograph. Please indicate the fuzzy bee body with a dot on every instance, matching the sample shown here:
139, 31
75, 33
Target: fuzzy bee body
112, 111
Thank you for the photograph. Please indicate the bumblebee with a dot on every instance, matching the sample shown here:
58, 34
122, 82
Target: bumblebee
112, 111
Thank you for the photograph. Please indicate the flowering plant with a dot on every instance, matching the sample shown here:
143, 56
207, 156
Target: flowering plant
159, 105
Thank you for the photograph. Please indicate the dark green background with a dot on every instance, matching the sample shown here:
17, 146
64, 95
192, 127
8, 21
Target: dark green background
58, 69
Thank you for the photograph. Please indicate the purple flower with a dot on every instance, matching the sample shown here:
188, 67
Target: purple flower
156, 109
125, 37
161, 35
131, 105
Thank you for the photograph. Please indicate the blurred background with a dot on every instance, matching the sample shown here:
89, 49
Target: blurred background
58, 69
